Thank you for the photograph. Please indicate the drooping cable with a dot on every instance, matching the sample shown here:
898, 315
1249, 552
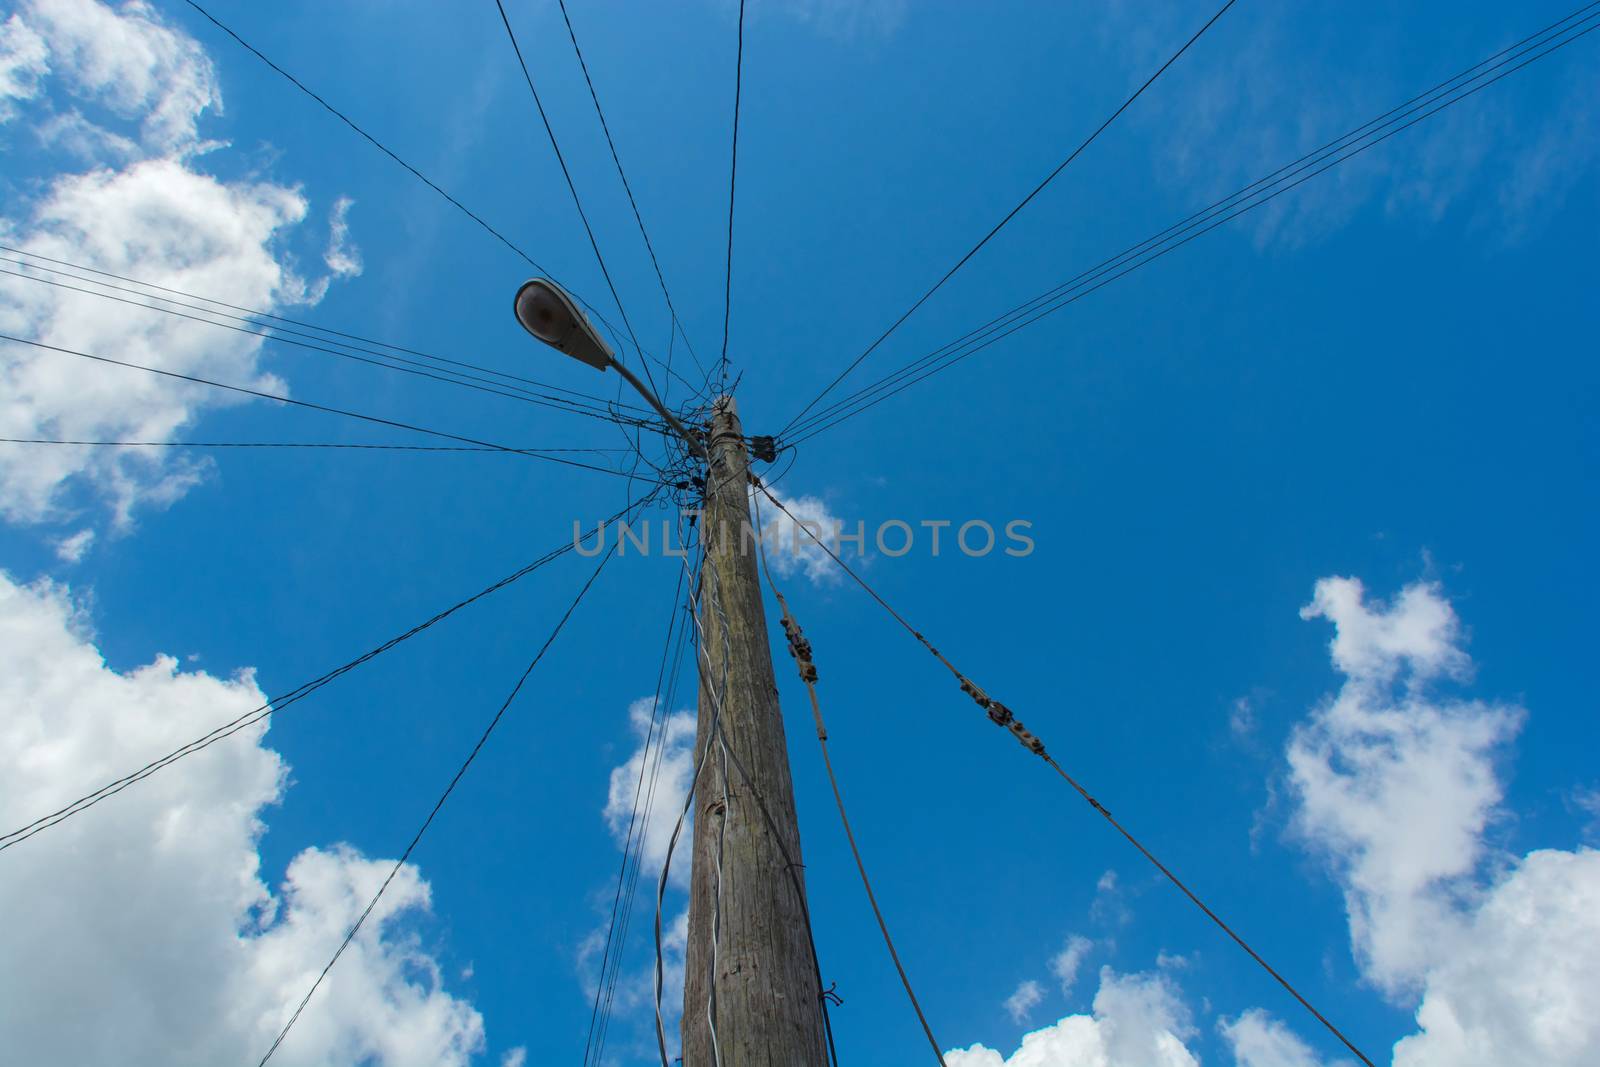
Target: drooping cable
307, 404
800, 649
1447, 93
438, 804
278, 703
1009, 216
1003, 717
719, 729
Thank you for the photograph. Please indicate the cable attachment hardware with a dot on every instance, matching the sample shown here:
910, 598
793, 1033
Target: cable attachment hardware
764, 448
1002, 717
800, 649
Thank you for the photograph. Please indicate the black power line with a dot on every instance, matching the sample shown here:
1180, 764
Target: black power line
1002, 716
733, 185
438, 804
577, 201
278, 703
307, 404
386, 361
1447, 93
611, 952
292, 444
1009, 215
252, 313
380, 146
634, 204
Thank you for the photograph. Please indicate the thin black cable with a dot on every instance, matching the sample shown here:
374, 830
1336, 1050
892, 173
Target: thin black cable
286, 444
685, 633
637, 217
800, 649
972, 690
438, 804
733, 184
1009, 216
307, 404
573, 189
277, 334
342, 117
278, 703
253, 313
633, 820
379, 145
952, 353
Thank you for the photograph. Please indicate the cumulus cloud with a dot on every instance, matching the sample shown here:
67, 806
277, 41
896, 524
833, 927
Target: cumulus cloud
790, 549
1020, 1004
1138, 1020
667, 762
1396, 786
151, 907
24, 59
665, 757
144, 209
1256, 1039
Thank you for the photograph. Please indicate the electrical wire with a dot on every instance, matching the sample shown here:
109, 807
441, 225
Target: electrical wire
1003, 717
718, 728
1255, 195
798, 646
592, 1043
307, 404
577, 201
319, 332
438, 804
380, 146
279, 703
1009, 216
386, 361
733, 185
288, 444
634, 204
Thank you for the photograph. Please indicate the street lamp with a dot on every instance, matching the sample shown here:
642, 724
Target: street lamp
551, 315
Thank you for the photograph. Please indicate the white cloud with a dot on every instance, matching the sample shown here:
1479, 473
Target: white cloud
514, 1058
151, 908
1066, 963
668, 763
790, 549
1517, 984
144, 210
1137, 1021
71, 549
1397, 787
125, 59
24, 59
667, 760
342, 257
1258, 1040
1020, 1004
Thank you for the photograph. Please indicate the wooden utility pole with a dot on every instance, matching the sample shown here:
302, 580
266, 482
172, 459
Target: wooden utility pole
748, 952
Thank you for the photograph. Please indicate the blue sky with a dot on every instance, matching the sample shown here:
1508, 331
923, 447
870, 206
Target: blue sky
1386, 376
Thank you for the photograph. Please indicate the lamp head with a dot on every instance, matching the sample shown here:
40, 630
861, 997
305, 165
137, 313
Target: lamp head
545, 310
